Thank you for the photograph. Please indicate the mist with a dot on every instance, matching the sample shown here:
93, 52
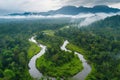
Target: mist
82, 15
84, 19
96, 17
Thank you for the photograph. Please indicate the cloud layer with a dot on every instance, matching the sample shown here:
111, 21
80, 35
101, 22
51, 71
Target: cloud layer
45, 5
86, 18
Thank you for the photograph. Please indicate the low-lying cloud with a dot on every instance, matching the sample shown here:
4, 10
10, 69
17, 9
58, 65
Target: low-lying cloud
95, 17
86, 18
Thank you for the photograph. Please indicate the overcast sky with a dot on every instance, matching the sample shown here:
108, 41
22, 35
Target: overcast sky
45, 5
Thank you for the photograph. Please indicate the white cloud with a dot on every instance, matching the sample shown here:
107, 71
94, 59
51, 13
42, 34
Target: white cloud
29, 5
117, 5
45, 5
41, 5
98, 16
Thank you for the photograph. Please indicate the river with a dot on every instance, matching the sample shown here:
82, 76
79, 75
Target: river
35, 73
86, 67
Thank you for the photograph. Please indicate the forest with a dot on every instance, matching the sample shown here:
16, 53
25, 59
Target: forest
55, 62
99, 42
15, 48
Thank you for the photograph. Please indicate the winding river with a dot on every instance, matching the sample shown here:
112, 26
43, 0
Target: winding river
35, 73
83, 74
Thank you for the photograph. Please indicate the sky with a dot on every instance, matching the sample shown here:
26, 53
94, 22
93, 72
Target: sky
45, 5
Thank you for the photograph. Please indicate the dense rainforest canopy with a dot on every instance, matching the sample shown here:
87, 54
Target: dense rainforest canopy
100, 43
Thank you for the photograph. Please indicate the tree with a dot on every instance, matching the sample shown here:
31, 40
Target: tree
9, 74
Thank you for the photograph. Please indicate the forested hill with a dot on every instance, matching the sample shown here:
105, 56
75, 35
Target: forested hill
105, 48
109, 27
101, 43
113, 21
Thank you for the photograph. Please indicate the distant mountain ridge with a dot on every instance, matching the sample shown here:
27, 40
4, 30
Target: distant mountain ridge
72, 10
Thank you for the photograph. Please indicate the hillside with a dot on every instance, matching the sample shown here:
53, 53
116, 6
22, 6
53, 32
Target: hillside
101, 42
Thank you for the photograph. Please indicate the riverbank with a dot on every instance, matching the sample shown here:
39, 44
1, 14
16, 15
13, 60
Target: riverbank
63, 64
71, 65
87, 68
64, 71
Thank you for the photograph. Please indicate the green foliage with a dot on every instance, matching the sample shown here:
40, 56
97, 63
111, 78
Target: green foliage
55, 62
49, 32
75, 48
1, 73
9, 74
101, 43
62, 64
33, 49
15, 49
